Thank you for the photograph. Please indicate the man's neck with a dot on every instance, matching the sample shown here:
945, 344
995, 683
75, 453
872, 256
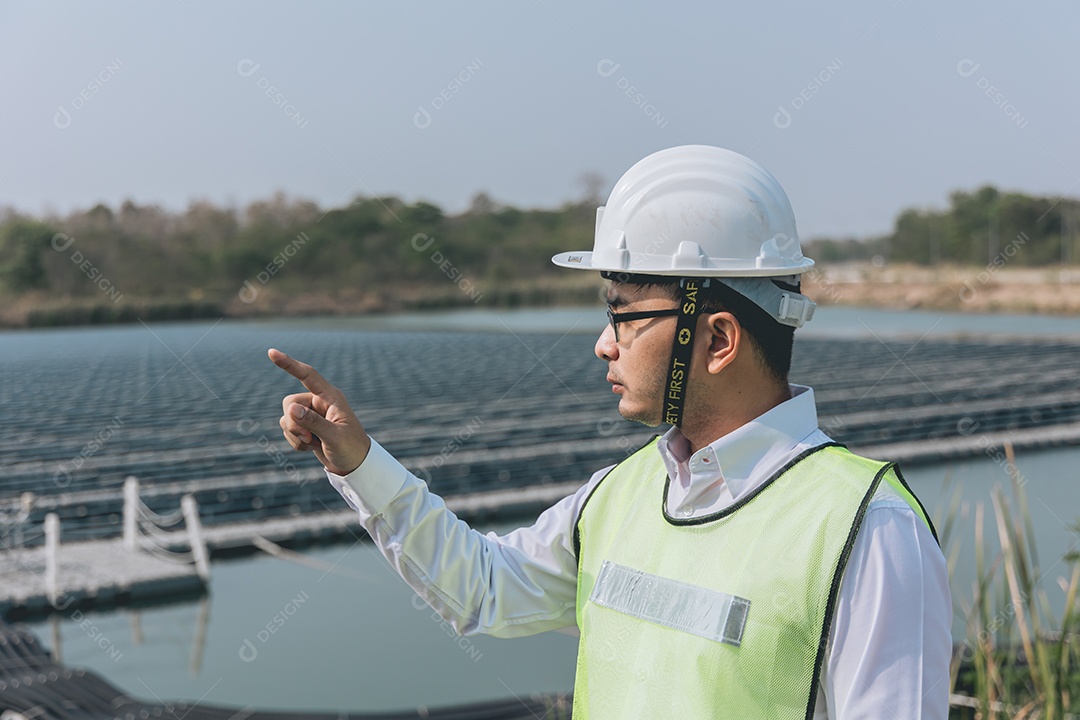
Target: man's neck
730, 416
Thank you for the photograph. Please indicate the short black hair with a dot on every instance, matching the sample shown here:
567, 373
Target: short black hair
773, 340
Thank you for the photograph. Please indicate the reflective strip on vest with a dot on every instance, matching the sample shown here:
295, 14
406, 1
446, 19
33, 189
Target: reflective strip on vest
707, 613
720, 616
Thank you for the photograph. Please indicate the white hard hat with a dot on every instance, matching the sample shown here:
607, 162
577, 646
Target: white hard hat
702, 211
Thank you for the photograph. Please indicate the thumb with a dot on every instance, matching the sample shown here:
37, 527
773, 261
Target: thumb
309, 419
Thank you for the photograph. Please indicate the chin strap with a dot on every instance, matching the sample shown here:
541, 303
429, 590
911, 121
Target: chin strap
682, 349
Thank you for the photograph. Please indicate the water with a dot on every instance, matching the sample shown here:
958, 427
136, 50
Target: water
280, 635
275, 634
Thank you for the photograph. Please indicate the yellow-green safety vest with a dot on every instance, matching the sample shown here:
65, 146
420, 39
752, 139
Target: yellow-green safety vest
726, 615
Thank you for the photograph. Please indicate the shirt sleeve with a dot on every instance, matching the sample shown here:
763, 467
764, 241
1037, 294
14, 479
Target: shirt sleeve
891, 642
521, 583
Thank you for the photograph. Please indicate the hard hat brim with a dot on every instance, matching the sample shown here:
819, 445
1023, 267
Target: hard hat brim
583, 260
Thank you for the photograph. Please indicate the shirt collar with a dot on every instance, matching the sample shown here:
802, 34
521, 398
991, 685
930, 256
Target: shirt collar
742, 456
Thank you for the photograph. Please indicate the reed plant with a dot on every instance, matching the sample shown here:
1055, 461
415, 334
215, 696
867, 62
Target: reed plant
1019, 660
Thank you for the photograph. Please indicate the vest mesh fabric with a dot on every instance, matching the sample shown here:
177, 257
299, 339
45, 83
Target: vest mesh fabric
783, 548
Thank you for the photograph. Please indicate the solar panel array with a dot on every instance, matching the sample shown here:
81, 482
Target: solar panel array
194, 408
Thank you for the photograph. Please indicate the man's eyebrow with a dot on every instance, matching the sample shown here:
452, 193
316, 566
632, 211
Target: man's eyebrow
615, 300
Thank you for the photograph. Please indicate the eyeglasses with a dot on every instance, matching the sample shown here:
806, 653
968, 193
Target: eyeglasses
615, 317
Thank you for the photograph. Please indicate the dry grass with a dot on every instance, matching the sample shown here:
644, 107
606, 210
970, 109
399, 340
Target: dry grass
1019, 660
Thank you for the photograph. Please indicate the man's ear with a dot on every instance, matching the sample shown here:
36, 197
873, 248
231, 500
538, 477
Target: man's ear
725, 337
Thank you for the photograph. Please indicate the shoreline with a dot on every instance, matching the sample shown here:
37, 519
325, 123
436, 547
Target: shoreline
1053, 291
271, 303
1050, 290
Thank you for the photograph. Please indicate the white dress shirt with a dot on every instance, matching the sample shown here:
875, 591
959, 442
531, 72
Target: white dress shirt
890, 641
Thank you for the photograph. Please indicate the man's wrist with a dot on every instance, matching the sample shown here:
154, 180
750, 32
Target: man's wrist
353, 463
377, 480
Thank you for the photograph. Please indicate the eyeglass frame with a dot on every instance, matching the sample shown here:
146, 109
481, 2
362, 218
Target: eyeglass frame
614, 318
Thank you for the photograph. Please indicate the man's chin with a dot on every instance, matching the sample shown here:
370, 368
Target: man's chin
638, 414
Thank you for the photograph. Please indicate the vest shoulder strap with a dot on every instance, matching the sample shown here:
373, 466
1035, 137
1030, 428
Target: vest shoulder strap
577, 521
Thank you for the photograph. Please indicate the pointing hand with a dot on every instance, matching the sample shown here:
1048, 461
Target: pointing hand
320, 420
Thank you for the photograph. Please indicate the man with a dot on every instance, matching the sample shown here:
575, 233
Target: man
742, 565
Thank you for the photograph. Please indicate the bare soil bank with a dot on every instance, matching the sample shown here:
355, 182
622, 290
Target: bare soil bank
1052, 291
1049, 290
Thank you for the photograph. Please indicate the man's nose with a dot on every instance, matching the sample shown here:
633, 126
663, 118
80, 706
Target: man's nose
606, 348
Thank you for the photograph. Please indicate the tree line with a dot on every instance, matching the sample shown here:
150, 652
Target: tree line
283, 245
983, 227
388, 247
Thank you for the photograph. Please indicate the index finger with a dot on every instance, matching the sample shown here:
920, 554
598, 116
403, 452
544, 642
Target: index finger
307, 375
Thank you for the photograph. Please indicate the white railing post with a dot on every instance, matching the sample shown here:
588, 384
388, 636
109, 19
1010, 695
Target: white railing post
131, 513
52, 556
195, 538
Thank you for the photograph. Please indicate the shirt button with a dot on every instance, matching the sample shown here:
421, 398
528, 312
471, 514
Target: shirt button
686, 511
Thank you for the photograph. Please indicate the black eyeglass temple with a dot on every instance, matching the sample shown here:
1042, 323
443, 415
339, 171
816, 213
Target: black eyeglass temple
615, 318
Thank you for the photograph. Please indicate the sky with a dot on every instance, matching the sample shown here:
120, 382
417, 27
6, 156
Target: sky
860, 109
